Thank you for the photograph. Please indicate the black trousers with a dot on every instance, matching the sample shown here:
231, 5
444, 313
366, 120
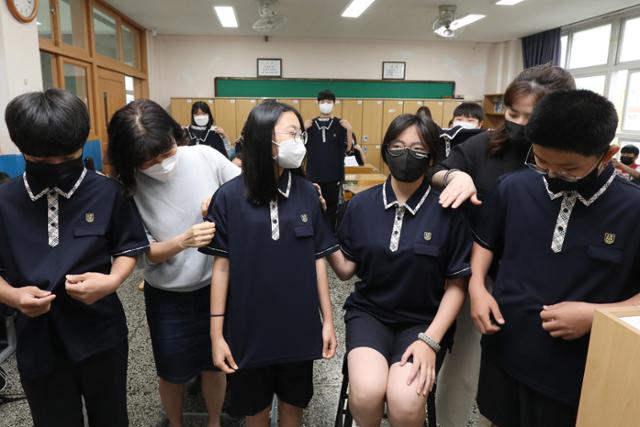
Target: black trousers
55, 400
331, 194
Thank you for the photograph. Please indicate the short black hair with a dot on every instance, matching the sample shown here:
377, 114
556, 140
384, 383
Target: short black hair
204, 107
427, 131
579, 121
139, 132
469, 109
326, 94
4, 177
630, 149
260, 179
424, 113
46, 124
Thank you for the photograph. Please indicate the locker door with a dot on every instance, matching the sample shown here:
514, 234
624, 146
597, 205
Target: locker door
371, 122
337, 108
309, 109
243, 108
436, 108
447, 111
411, 106
295, 103
352, 112
180, 111
372, 155
391, 110
225, 115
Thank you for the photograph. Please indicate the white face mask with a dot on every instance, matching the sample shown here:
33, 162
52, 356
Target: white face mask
326, 108
164, 170
290, 153
464, 125
201, 120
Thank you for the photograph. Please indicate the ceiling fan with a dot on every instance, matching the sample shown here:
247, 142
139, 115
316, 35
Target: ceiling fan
448, 25
269, 19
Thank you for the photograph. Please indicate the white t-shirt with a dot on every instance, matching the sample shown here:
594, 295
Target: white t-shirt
170, 207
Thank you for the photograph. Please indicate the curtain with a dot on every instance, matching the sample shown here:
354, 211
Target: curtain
541, 48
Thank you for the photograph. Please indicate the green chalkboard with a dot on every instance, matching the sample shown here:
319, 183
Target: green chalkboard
230, 87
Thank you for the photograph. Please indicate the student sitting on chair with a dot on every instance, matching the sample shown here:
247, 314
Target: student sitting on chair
269, 281
412, 259
68, 239
568, 230
203, 130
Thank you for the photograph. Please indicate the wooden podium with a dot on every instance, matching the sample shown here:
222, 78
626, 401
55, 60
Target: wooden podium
611, 388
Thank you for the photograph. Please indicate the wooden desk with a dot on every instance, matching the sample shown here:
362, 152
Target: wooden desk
356, 183
367, 168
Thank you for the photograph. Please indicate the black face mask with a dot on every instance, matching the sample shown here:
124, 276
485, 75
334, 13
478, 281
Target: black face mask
515, 132
556, 185
626, 160
406, 167
61, 175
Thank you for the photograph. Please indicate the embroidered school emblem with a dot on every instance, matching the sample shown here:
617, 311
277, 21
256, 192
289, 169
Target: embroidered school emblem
609, 238
89, 217
427, 236
304, 218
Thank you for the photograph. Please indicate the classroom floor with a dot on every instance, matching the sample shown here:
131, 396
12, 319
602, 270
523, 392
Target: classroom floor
144, 401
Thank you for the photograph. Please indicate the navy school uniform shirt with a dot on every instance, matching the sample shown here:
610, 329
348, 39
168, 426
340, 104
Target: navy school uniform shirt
454, 136
206, 136
272, 314
326, 148
576, 246
404, 254
46, 234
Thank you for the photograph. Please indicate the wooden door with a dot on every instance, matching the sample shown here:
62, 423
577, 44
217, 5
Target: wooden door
243, 108
436, 108
411, 106
309, 109
371, 122
112, 97
391, 110
225, 116
352, 112
447, 112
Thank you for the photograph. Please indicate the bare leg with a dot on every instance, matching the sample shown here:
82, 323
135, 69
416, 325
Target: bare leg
406, 407
172, 396
368, 372
290, 416
261, 419
214, 385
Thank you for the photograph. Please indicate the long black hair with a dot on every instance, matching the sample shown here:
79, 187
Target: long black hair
204, 107
260, 177
427, 131
139, 132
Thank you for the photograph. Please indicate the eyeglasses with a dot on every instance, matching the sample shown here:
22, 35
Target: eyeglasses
298, 135
417, 149
565, 176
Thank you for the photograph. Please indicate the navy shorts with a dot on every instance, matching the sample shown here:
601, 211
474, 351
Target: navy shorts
179, 328
364, 330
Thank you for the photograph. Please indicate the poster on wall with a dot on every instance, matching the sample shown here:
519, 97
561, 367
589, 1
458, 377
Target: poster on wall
393, 70
269, 67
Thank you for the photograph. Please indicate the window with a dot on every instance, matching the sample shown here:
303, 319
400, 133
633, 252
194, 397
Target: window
106, 35
72, 23
563, 50
590, 47
48, 66
76, 81
631, 119
45, 27
129, 89
630, 50
130, 46
593, 83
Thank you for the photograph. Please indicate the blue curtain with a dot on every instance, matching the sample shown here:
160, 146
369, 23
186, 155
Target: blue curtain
541, 48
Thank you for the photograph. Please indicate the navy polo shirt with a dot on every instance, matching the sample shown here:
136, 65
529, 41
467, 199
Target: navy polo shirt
46, 234
404, 254
206, 136
573, 246
272, 314
326, 147
454, 136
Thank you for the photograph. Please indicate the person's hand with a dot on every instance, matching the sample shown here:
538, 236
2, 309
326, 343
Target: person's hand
329, 341
423, 371
90, 287
220, 131
222, 358
204, 206
198, 235
483, 306
459, 188
567, 320
615, 162
323, 202
308, 124
31, 300
345, 124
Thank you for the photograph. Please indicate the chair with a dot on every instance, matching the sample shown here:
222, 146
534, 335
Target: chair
344, 417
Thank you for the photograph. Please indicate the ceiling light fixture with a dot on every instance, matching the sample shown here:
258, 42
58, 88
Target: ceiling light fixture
356, 8
508, 2
226, 16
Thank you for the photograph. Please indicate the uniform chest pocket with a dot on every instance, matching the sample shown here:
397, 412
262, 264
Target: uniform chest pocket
303, 231
605, 254
426, 249
89, 230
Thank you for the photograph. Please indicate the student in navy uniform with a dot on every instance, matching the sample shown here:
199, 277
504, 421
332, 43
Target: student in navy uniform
466, 122
356, 154
329, 139
568, 232
203, 129
412, 259
269, 280
144, 152
60, 226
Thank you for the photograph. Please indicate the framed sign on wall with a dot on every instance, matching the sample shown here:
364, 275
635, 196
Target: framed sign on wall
269, 67
393, 70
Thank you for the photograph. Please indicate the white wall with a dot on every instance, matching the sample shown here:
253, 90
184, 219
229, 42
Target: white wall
185, 66
505, 62
19, 66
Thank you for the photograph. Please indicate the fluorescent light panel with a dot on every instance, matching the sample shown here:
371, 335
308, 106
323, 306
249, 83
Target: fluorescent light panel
356, 7
226, 16
465, 20
508, 2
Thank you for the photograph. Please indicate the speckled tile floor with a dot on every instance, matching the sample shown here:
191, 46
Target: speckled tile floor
144, 401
